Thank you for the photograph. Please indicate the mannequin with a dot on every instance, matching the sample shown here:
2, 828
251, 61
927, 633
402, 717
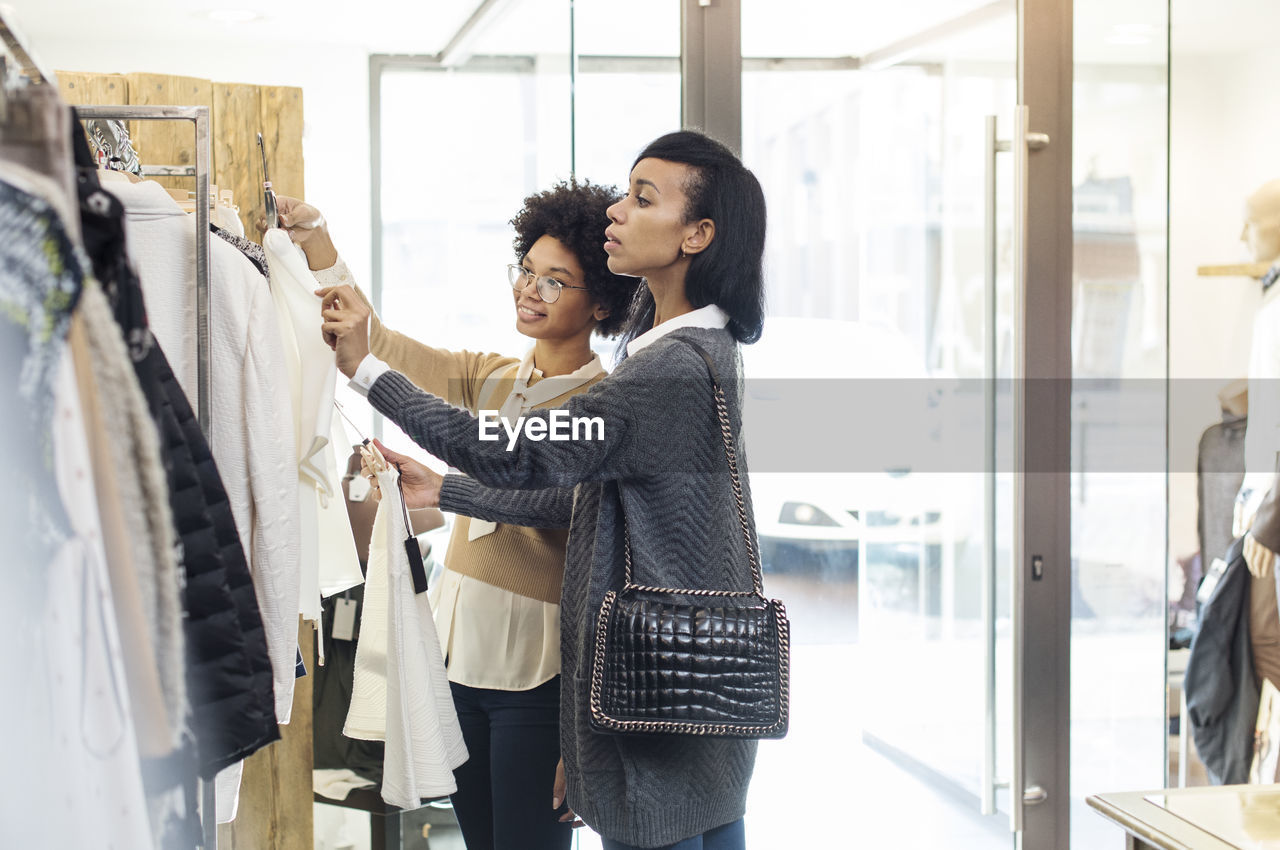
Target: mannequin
1262, 435
1262, 223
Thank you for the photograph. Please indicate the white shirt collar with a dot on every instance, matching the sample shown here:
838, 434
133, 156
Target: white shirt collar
710, 317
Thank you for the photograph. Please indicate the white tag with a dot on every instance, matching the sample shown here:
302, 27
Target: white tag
359, 488
344, 620
1210, 580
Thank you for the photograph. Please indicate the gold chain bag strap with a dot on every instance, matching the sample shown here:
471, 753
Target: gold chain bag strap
693, 662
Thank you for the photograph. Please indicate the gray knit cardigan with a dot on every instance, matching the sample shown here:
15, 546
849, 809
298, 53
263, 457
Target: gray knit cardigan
662, 457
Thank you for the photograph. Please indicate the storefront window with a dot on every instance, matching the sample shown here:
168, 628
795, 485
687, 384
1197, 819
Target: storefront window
874, 174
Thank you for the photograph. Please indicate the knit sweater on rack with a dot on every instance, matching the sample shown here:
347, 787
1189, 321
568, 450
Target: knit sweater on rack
525, 560
663, 456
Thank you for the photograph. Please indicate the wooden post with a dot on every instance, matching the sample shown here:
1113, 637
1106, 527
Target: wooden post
276, 799
236, 111
93, 89
168, 142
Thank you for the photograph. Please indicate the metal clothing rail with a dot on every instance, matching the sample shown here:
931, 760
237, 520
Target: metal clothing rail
15, 44
199, 115
204, 376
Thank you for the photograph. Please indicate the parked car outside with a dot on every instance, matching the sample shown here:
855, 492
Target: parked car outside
842, 431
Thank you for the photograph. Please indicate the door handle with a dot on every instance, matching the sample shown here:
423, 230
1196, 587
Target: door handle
1021, 146
1024, 142
987, 794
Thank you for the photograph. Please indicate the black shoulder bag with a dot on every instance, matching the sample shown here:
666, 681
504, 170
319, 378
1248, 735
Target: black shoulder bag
667, 666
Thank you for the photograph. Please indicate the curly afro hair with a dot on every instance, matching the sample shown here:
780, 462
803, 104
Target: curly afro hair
573, 212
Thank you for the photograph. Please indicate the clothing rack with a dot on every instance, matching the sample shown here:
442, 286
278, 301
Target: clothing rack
15, 48
199, 115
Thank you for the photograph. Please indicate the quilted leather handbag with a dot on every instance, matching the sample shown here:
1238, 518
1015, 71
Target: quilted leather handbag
688, 661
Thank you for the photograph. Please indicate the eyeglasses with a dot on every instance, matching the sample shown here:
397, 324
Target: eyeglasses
548, 287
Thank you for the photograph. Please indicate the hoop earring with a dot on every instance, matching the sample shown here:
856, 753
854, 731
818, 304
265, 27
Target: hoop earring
682, 254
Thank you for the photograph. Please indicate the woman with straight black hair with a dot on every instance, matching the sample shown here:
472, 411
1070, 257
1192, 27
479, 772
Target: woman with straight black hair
729, 272
692, 226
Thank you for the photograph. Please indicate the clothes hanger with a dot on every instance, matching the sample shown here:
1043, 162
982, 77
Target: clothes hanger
268, 194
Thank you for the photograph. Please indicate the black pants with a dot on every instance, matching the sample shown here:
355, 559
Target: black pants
503, 801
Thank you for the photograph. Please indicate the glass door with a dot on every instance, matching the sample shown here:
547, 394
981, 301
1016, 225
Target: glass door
1122, 411
890, 275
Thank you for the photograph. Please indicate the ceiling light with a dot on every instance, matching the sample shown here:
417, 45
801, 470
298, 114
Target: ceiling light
233, 16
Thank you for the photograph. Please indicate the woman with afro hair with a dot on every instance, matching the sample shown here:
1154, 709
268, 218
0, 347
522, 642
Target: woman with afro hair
496, 604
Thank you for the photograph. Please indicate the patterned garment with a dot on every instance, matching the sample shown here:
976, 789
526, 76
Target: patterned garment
1270, 277
41, 275
109, 140
252, 250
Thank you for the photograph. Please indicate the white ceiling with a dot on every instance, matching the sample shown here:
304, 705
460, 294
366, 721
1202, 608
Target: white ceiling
416, 26
1106, 30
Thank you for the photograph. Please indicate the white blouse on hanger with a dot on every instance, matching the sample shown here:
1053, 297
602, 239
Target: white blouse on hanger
81, 688
328, 556
400, 692
252, 435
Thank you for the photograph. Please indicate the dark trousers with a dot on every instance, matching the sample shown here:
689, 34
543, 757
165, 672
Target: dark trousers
731, 836
503, 800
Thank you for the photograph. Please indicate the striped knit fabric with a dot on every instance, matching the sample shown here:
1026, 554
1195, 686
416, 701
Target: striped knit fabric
662, 454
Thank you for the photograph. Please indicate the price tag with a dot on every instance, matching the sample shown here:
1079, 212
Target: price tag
344, 620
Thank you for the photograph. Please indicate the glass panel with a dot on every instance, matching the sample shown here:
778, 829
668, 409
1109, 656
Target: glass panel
627, 89
1118, 482
875, 181
445, 234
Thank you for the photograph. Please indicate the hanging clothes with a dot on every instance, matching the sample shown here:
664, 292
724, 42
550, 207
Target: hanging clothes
38, 292
127, 444
228, 667
133, 447
329, 561
252, 427
74, 725
401, 693
111, 146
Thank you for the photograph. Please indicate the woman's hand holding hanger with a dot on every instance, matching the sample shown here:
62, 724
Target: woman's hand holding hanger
420, 483
307, 228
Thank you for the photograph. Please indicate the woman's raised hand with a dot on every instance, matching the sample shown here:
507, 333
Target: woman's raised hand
307, 228
345, 326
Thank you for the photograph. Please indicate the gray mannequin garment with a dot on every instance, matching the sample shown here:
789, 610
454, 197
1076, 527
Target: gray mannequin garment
1219, 471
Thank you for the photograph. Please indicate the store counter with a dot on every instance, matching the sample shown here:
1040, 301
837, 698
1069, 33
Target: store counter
1230, 817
